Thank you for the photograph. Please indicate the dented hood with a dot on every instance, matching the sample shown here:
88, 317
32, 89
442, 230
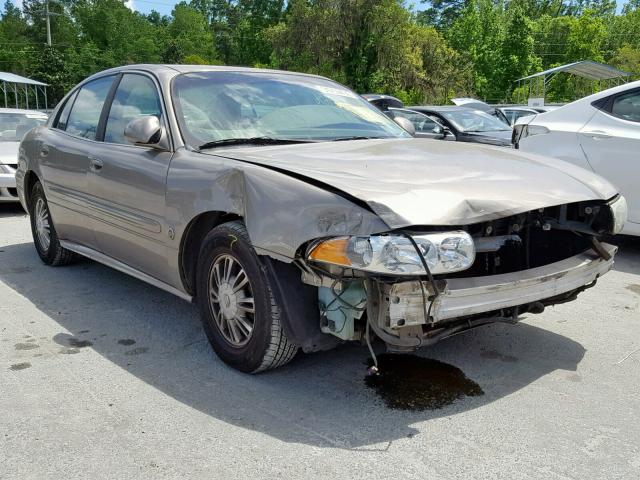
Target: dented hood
426, 182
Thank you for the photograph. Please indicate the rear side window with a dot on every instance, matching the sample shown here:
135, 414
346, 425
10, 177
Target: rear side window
85, 112
136, 95
627, 106
64, 115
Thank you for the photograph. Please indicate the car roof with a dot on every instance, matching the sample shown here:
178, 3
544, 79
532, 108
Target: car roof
22, 111
174, 70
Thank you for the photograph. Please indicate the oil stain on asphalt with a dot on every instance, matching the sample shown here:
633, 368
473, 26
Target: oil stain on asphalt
19, 366
67, 340
493, 355
409, 382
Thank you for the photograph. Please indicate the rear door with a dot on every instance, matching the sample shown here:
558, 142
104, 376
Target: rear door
128, 185
65, 160
611, 143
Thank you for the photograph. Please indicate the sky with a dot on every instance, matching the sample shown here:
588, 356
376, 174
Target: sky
164, 7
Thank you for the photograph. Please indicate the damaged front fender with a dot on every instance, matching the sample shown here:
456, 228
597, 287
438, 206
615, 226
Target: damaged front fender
280, 212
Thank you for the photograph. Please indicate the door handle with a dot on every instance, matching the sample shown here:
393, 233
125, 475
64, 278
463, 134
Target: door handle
597, 134
44, 151
95, 164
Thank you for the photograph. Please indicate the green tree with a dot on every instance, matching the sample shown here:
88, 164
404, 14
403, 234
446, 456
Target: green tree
188, 36
517, 55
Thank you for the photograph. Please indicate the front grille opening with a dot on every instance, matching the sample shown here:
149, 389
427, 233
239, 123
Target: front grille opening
545, 236
537, 249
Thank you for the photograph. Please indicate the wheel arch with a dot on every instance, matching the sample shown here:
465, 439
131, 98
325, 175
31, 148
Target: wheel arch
30, 179
299, 316
191, 240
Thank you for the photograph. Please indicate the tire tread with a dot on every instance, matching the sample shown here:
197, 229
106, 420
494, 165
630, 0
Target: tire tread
57, 255
280, 350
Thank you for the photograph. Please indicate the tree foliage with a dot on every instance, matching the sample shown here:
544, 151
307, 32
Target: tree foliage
443, 49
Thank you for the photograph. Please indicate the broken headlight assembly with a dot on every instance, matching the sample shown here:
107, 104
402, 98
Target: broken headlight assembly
394, 254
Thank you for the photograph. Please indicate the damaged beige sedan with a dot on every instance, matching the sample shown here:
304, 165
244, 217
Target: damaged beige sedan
298, 216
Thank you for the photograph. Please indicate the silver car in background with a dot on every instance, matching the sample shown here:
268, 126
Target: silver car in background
298, 216
14, 124
600, 132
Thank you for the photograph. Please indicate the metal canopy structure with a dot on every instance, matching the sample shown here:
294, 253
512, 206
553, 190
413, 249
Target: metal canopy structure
18, 91
585, 68
588, 69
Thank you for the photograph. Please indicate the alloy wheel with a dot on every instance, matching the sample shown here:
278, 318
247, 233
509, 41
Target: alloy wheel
43, 227
231, 300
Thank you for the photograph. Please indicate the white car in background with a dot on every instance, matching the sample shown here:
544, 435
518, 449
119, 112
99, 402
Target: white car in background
14, 124
601, 133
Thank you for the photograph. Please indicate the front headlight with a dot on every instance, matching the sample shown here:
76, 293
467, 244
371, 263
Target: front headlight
393, 254
619, 211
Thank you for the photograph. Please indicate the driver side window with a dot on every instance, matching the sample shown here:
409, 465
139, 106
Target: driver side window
136, 95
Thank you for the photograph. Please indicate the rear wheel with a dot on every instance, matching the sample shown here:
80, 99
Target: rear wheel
43, 231
239, 312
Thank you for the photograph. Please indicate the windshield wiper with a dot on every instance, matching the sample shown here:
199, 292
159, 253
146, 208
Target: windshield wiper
251, 141
344, 139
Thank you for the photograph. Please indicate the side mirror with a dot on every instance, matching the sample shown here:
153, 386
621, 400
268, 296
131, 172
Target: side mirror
145, 130
406, 124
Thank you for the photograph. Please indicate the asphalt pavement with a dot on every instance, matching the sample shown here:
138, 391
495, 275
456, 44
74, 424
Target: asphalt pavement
103, 376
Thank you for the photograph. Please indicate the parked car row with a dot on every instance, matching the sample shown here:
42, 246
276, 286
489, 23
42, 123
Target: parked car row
298, 216
458, 123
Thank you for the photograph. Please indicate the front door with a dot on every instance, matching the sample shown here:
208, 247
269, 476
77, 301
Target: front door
128, 183
611, 143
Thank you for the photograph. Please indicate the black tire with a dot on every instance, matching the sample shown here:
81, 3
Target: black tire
53, 254
267, 346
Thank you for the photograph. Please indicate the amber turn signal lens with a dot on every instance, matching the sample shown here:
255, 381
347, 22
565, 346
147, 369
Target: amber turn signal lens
332, 251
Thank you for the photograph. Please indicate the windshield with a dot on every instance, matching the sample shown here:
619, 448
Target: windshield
474, 121
13, 126
215, 106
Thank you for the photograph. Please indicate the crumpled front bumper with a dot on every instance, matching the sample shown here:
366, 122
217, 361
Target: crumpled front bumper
462, 297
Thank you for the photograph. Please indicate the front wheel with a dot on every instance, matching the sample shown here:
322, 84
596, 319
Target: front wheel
239, 312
